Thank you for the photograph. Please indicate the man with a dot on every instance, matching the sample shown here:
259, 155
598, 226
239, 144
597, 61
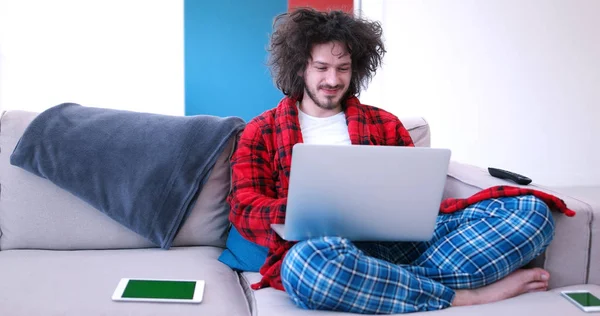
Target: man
320, 61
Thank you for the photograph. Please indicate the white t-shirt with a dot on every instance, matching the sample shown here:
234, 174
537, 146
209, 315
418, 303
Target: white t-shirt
330, 130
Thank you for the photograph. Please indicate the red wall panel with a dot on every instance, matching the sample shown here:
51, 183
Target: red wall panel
323, 5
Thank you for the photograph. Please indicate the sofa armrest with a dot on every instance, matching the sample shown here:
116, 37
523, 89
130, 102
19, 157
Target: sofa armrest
590, 196
568, 257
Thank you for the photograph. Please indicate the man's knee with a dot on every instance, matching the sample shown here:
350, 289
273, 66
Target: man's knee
294, 270
305, 266
537, 218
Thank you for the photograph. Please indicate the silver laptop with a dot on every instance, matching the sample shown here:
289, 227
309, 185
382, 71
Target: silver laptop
364, 193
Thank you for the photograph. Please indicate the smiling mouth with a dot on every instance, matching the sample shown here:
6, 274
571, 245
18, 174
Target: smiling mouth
330, 91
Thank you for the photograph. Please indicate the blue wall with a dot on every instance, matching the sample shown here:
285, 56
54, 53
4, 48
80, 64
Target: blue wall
226, 57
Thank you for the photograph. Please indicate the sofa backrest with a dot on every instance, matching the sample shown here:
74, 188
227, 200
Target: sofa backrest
36, 214
418, 128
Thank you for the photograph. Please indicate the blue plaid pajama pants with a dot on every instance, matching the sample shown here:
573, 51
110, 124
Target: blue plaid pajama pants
469, 249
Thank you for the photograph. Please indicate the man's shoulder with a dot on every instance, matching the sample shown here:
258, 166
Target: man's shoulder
265, 119
268, 118
378, 115
262, 125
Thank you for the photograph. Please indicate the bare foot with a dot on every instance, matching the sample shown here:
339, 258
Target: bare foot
517, 283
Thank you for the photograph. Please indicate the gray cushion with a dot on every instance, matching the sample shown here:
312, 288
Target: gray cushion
34, 213
46, 282
143, 170
271, 302
208, 221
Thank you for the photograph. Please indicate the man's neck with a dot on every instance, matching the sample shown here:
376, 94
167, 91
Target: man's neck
309, 107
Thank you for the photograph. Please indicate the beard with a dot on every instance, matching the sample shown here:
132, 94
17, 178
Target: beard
330, 102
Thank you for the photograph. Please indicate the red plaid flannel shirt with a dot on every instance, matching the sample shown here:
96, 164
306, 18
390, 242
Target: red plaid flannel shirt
261, 168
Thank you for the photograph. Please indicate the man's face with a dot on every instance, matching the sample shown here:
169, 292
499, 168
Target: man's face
327, 75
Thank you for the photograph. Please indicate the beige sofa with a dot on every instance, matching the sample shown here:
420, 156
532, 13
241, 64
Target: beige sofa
59, 256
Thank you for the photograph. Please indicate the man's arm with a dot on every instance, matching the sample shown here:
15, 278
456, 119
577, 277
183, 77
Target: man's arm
402, 135
253, 201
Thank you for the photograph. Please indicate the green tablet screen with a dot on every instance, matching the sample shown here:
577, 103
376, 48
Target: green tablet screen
183, 290
585, 299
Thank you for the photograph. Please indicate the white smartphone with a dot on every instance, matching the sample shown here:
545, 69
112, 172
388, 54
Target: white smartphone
159, 290
583, 299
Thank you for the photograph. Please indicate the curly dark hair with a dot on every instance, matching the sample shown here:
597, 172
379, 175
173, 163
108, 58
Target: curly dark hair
297, 32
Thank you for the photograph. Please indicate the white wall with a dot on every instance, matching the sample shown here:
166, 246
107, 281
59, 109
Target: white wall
125, 54
507, 83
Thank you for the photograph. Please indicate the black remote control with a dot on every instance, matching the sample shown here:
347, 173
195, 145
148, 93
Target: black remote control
503, 174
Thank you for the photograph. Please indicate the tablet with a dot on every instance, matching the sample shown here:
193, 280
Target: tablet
159, 290
585, 300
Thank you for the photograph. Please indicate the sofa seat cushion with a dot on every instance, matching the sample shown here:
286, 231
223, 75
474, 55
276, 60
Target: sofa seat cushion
271, 302
47, 282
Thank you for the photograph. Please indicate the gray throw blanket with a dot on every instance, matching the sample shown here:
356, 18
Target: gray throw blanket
143, 170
